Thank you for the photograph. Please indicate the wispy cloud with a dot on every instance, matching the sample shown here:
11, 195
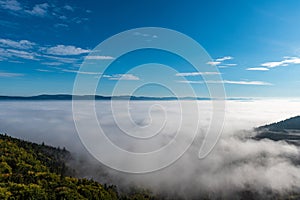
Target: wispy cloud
13, 53
61, 25
7, 74
68, 7
220, 61
123, 77
40, 10
66, 50
99, 57
213, 63
257, 69
247, 82
21, 44
44, 70
145, 35
274, 64
197, 73
17, 8
60, 54
17, 49
79, 20
287, 61
61, 59
230, 65
229, 82
11, 5
81, 72
21, 54
225, 65
224, 58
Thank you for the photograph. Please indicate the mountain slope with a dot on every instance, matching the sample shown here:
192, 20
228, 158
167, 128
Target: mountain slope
288, 124
288, 130
32, 171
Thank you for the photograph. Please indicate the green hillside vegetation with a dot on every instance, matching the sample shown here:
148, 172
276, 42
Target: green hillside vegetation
31, 171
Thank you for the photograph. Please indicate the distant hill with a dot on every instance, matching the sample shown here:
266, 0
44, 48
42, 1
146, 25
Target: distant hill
30, 171
288, 130
99, 97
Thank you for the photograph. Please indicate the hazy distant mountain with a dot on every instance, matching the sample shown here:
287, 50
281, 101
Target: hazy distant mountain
288, 130
96, 97
99, 97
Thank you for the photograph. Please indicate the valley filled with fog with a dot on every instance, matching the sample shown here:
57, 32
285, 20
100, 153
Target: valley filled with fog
236, 163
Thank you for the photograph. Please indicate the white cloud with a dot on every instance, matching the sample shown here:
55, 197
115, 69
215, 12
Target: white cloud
224, 65
11, 5
30, 50
7, 74
66, 50
247, 82
25, 49
213, 63
22, 44
224, 58
61, 59
124, 77
68, 7
229, 82
62, 17
273, 64
21, 54
197, 73
106, 76
230, 65
79, 20
61, 25
99, 57
219, 61
287, 61
39, 10
8, 53
257, 69
81, 72
43, 70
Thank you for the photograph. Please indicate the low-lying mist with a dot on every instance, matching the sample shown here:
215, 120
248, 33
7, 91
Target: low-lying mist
236, 164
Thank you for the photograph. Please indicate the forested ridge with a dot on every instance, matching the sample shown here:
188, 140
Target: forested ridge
32, 171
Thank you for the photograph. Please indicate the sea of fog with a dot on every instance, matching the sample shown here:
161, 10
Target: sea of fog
236, 163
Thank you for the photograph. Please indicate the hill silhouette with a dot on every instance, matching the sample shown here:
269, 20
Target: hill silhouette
288, 130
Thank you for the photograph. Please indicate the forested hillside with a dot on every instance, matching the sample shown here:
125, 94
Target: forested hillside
31, 171
287, 130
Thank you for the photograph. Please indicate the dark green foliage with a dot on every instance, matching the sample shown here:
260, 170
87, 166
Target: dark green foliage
288, 124
287, 130
31, 171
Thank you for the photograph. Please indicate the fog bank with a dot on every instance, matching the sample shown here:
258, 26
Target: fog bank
236, 164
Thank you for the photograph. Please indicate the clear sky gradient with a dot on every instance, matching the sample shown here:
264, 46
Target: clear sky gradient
255, 44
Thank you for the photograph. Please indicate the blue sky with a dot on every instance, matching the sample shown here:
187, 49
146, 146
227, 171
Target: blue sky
255, 44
